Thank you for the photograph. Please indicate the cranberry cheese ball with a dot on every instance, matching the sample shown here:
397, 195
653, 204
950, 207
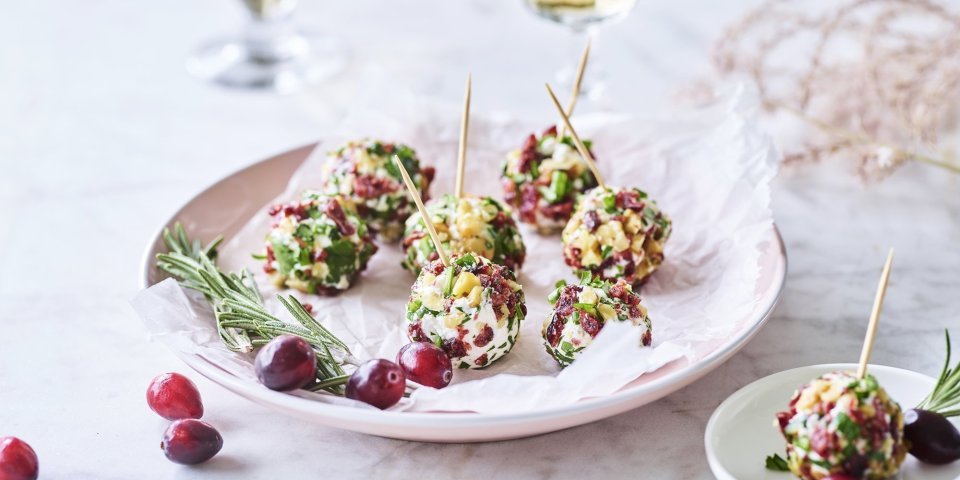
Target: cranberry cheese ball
543, 179
479, 225
580, 312
616, 233
363, 172
841, 426
472, 309
318, 245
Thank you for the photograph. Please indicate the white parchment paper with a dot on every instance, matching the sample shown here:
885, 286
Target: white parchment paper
709, 169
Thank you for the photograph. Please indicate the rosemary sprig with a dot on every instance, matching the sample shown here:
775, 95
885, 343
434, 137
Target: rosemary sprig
945, 397
242, 320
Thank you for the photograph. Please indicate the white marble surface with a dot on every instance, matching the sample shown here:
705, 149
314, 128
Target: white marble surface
103, 135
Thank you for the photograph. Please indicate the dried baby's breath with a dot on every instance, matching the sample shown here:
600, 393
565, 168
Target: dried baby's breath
878, 81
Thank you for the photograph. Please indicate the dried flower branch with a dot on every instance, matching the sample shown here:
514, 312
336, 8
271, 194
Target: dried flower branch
878, 80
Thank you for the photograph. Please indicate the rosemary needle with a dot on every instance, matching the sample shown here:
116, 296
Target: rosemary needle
242, 320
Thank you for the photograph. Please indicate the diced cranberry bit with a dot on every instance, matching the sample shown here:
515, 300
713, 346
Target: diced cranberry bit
630, 199
568, 296
783, 418
551, 131
555, 330
528, 154
369, 186
455, 347
591, 220
435, 267
415, 332
529, 197
646, 339
335, 212
821, 442
271, 257
590, 323
481, 361
509, 191
484, 337
558, 211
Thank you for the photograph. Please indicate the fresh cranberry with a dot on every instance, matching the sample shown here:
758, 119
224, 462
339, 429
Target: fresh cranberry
378, 382
191, 441
933, 438
286, 363
426, 364
173, 396
17, 460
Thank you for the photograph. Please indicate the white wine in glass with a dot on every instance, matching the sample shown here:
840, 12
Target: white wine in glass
581, 14
269, 54
583, 18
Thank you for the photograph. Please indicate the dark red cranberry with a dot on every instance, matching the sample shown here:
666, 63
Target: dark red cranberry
286, 363
191, 441
174, 397
17, 460
379, 382
426, 364
933, 439
840, 476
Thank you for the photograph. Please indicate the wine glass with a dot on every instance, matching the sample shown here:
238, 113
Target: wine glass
583, 18
269, 54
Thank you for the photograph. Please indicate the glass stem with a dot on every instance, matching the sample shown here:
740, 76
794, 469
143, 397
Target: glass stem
270, 39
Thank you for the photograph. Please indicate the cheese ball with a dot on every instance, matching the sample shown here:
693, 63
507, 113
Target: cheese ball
616, 233
841, 425
479, 225
471, 309
580, 312
543, 179
317, 245
364, 172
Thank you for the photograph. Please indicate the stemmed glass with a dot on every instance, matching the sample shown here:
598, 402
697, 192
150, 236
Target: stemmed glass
269, 54
583, 18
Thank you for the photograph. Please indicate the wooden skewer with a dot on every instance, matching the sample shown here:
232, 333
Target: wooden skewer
462, 154
576, 139
423, 211
874, 317
582, 67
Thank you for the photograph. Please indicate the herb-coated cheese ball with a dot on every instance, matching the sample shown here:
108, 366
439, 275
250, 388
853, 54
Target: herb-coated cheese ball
580, 312
317, 245
479, 225
471, 309
616, 233
543, 179
364, 172
839, 424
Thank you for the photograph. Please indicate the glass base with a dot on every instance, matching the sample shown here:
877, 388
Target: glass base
307, 59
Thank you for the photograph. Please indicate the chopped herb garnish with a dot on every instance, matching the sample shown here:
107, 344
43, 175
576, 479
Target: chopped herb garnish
776, 463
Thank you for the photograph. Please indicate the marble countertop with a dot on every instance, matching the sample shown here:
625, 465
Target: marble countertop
103, 135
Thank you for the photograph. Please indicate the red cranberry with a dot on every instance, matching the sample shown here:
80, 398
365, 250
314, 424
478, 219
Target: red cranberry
933, 438
191, 441
174, 397
286, 363
426, 364
379, 382
17, 460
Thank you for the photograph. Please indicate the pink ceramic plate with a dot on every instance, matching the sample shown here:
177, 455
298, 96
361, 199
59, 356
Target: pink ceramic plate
226, 206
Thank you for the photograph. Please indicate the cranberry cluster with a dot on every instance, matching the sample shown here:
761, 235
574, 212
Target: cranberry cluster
187, 440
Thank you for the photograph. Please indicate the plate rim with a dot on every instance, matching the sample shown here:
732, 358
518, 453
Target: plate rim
716, 467
294, 404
